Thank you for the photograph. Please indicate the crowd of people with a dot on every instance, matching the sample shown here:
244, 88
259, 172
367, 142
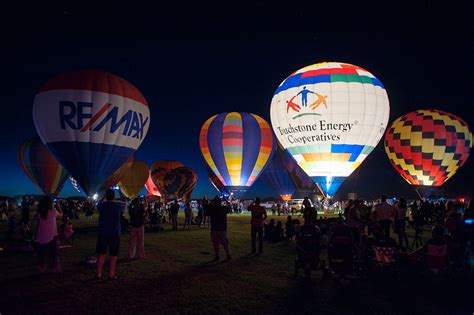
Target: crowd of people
368, 224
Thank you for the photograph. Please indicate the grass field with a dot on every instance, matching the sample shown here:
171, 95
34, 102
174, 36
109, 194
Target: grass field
178, 277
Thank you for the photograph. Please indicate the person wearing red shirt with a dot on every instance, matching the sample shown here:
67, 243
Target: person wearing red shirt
259, 214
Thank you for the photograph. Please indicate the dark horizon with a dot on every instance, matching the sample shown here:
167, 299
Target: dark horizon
188, 76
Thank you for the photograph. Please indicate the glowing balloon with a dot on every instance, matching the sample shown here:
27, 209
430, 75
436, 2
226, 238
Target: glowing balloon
180, 182
151, 187
427, 147
158, 171
117, 175
276, 175
41, 167
92, 121
134, 179
237, 147
216, 182
329, 117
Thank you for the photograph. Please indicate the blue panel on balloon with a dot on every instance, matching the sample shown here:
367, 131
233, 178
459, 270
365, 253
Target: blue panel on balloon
90, 163
330, 185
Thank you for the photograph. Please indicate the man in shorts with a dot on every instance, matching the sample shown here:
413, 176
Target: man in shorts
109, 232
218, 214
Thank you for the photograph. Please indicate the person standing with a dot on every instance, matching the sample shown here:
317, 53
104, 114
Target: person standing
383, 214
259, 214
188, 215
218, 215
108, 238
174, 215
25, 210
47, 234
400, 222
136, 212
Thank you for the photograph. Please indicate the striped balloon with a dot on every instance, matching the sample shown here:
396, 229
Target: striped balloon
41, 167
237, 147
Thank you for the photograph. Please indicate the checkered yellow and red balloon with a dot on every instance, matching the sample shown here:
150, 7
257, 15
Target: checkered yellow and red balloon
427, 147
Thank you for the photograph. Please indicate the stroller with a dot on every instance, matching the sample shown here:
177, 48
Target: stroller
341, 251
308, 249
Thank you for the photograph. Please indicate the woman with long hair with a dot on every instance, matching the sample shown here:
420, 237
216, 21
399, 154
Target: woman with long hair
47, 235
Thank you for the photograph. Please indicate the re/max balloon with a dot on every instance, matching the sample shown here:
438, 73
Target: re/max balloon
329, 117
180, 182
41, 167
236, 147
158, 171
427, 147
92, 122
134, 179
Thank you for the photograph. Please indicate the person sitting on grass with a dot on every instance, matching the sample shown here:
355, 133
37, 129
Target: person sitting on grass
278, 232
108, 238
66, 230
268, 230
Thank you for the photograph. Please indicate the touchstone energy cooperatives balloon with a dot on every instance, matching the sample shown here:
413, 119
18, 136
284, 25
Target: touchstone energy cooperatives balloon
236, 147
41, 167
329, 116
427, 147
92, 121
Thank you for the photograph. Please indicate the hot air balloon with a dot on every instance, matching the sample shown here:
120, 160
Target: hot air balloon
158, 171
237, 147
41, 167
151, 187
117, 175
216, 182
329, 117
180, 182
277, 177
427, 147
134, 179
92, 122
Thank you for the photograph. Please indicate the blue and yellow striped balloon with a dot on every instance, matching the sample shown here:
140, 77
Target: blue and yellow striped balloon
236, 147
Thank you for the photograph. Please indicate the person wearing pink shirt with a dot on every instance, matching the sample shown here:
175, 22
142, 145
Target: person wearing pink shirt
47, 235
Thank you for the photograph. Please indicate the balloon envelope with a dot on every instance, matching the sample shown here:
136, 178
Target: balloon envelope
41, 167
92, 122
151, 187
134, 179
329, 117
276, 175
216, 182
236, 147
427, 147
180, 182
158, 171
117, 175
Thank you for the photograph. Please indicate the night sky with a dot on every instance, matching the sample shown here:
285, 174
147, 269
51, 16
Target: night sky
196, 62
